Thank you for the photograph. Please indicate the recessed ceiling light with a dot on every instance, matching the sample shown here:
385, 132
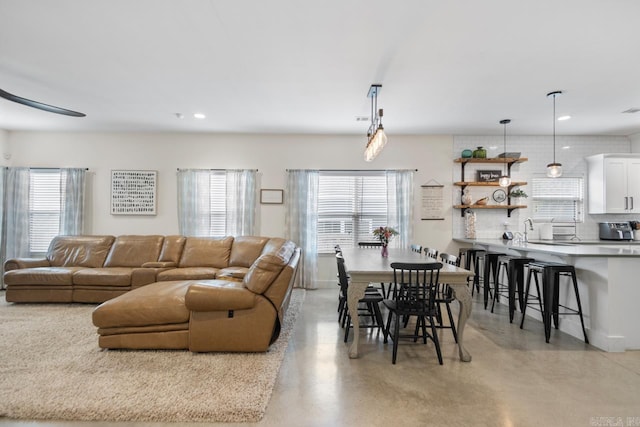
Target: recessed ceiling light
362, 119
199, 116
563, 118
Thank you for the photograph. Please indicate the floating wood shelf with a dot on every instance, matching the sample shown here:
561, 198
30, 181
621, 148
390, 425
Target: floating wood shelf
509, 208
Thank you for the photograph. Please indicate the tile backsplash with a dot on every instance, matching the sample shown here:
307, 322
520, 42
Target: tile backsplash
570, 151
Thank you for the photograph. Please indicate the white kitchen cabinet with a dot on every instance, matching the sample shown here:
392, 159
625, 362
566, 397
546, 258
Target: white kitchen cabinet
614, 183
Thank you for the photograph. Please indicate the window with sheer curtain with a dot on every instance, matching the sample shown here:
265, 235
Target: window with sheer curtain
216, 202
351, 204
39, 204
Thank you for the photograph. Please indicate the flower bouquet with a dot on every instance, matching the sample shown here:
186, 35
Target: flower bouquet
385, 234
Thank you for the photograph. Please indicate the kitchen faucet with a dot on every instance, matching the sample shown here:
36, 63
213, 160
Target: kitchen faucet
530, 221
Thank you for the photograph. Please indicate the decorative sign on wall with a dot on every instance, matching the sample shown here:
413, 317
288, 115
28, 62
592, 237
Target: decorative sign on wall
133, 192
432, 201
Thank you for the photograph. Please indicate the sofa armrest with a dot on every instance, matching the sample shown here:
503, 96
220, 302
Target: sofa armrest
20, 263
160, 264
218, 295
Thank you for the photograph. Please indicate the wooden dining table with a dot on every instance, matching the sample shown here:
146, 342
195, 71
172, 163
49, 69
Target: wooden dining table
367, 266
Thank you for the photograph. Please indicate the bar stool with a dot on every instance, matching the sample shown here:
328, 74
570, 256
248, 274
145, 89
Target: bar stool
514, 268
470, 256
551, 273
490, 261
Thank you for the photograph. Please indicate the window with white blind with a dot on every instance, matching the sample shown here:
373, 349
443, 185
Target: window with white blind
350, 205
44, 208
558, 199
217, 213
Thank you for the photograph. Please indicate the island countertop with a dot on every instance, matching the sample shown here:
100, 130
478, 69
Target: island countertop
607, 280
563, 248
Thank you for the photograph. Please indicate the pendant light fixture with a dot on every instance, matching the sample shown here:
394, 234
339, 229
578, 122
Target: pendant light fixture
505, 179
554, 170
376, 138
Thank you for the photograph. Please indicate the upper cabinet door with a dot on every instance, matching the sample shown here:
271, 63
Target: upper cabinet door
633, 185
615, 185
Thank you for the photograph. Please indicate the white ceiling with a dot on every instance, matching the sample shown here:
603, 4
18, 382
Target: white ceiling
292, 66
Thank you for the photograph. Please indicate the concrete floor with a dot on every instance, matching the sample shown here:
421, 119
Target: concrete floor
515, 378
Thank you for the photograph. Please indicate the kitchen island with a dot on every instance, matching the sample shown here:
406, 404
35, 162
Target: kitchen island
608, 280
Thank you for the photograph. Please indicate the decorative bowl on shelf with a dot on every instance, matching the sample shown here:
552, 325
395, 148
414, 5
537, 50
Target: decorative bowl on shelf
482, 201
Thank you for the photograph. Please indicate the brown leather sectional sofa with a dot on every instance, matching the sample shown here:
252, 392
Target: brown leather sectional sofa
173, 292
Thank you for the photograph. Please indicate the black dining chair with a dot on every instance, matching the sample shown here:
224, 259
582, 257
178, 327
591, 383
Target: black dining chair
365, 245
369, 245
416, 248
414, 297
431, 252
445, 296
370, 312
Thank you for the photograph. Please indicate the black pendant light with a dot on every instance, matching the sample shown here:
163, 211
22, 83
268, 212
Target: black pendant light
554, 170
505, 179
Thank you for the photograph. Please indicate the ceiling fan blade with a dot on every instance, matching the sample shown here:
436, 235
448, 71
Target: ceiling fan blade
39, 105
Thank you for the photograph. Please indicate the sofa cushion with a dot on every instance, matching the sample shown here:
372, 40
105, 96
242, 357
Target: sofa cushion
246, 249
155, 304
188, 273
206, 252
267, 268
133, 251
82, 251
172, 249
108, 276
45, 276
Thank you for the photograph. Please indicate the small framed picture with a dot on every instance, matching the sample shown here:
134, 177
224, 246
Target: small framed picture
269, 196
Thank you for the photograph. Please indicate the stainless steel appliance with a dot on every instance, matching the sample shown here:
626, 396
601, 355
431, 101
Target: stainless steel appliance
615, 231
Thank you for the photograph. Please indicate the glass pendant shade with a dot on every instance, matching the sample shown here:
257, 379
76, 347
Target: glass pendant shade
375, 144
554, 170
504, 181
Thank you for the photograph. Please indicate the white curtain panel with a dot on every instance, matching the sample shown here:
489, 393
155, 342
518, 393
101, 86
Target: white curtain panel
73, 182
194, 214
241, 202
400, 189
15, 228
301, 220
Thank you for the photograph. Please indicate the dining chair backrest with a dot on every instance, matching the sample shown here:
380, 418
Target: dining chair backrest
369, 244
431, 252
416, 248
343, 277
450, 259
415, 285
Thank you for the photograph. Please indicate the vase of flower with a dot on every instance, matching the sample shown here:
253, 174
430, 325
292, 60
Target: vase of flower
384, 234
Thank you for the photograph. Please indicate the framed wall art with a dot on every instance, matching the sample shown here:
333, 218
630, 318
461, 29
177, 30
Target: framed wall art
133, 192
270, 196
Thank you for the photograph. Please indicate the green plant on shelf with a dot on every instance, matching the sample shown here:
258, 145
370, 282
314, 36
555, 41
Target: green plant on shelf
518, 193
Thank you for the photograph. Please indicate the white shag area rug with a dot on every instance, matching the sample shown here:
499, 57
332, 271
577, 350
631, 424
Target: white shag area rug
52, 368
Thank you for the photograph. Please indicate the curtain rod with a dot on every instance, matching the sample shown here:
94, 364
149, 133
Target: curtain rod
204, 169
55, 169
354, 170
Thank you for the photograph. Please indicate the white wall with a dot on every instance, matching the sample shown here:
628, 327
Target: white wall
270, 154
